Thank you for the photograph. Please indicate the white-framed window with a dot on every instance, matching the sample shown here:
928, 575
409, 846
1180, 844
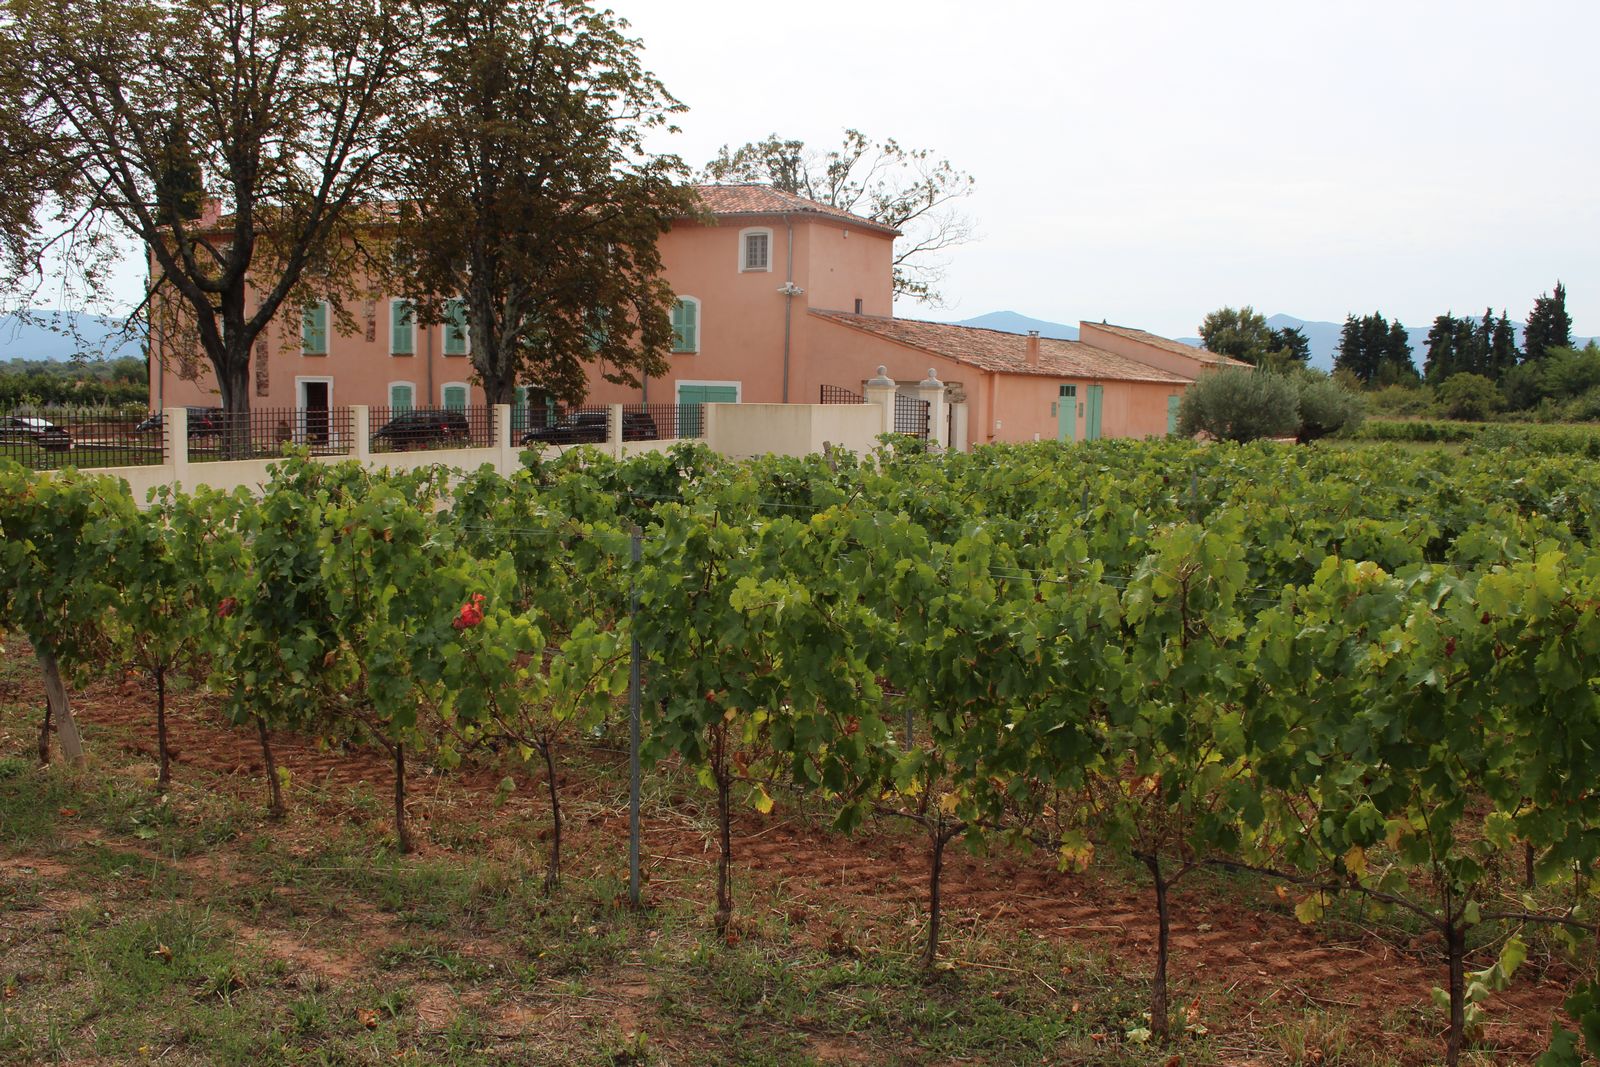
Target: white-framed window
402, 328
457, 339
755, 249
314, 329
686, 324
453, 396
402, 396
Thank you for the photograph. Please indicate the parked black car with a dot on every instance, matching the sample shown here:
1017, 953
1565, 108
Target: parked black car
590, 427
423, 427
26, 429
203, 422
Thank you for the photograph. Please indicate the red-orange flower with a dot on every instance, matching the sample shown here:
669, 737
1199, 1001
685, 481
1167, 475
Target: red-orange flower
228, 606
471, 613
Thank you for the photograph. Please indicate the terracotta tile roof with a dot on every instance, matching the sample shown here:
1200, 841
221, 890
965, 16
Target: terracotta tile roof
765, 200
994, 350
1168, 344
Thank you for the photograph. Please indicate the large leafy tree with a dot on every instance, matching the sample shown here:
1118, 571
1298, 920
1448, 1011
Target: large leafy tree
529, 195
1549, 325
1243, 334
132, 114
909, 189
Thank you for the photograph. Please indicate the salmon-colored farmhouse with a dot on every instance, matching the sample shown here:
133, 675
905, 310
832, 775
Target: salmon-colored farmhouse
778, 297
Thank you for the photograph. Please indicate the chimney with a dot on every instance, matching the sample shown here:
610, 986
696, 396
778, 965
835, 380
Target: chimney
1033, 348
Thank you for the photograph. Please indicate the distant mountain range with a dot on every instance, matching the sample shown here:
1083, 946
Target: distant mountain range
1012, 322
1324, 336
64, 335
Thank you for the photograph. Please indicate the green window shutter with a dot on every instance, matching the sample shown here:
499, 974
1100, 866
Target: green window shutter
314, 330
401, 397
455, 397
402, 329
455, 328
519, 410
1172, 414
686, 326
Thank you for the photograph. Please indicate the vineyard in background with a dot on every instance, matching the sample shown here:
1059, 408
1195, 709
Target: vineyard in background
1366, 675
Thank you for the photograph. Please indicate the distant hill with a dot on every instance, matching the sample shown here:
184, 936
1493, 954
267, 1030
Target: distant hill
1013, 322
64, 335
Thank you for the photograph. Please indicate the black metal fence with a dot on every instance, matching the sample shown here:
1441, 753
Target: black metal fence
640, 422
419, 429
262, 433
838, 394
567, 426
911, 416
662, 422
49, 438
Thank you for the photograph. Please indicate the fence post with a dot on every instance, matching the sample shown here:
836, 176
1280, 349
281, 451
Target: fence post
505, 457
634, 724
708, 424
175, 428
931, 389
880, 391
614, 429
361, 427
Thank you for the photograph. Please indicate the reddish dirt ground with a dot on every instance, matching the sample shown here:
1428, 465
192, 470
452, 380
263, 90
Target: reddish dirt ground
1258, 955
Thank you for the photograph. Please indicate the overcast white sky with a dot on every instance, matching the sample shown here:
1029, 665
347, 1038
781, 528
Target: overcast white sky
1145, 162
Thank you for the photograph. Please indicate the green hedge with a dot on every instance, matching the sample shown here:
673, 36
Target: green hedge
1581, 440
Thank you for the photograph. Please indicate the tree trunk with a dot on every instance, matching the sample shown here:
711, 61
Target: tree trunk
1527, 864
941, 838
233, 384
44, 738
552, 874
401, 836
1158, 989
164, 775
55, 691
1455, 939
275, 809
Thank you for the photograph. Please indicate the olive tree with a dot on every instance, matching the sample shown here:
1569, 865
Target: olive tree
1240, 405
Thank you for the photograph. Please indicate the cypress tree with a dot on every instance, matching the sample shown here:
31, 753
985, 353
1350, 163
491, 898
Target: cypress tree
1503, 349
1350, 354
1469, 354
1549, 325
1441, 361
1291, 340
1397, 363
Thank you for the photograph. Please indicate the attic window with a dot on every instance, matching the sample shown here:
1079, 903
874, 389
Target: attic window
755, 250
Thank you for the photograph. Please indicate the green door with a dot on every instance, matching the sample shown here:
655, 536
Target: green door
1172, 414
1067, 413
690, 397
1091, 418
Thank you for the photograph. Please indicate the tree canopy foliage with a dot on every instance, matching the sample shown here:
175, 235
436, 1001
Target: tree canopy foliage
1240, 405
909, 189
124, 117
1485, 346
1243, 334
1549, 325
1375, 351
528, 194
